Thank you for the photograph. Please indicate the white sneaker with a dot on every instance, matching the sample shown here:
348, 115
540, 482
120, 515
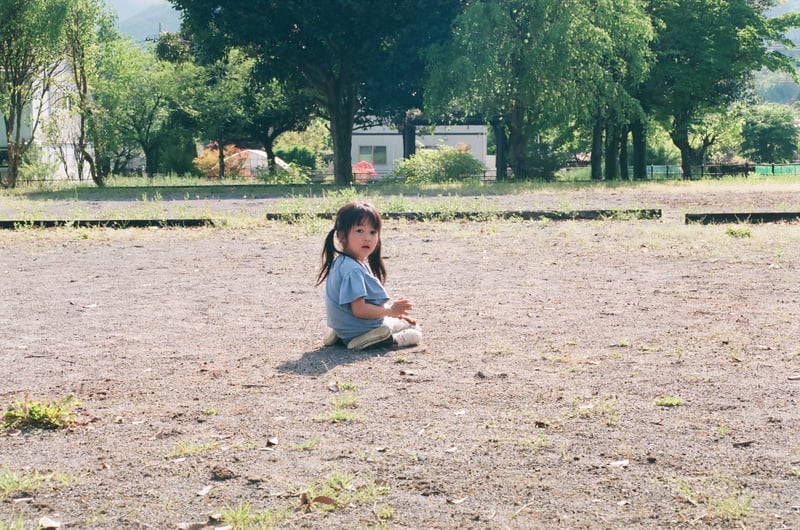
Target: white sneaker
370, 338
330, 338
407, 337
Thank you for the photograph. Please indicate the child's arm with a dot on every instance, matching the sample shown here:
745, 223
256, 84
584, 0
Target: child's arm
398, 308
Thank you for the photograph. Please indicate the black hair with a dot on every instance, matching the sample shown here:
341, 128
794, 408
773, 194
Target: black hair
349, 215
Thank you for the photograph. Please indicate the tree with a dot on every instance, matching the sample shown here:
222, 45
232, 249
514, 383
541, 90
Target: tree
274, 107
132, 99
770, 134
528, 66
87, 22
213, 97
624, 32
330, 48
706, 52
31, 46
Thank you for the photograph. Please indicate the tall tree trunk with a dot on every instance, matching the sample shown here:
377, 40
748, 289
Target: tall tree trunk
501, 148
639, 141
151, 161
341, 105
16, 146
596, 157
342, 136
518, 143
690, 156
221, 158
612, 152
409, 131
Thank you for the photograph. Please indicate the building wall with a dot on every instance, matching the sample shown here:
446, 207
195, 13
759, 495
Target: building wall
391, 141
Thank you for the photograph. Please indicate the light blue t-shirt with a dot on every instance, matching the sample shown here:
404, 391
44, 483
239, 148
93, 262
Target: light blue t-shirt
349, 280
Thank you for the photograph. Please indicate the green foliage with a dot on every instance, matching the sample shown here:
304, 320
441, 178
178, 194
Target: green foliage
299, 155
770, 133
243, 517
443, 164
669, 401
39, 414
32, 37
738, 233
11, 481
705, 54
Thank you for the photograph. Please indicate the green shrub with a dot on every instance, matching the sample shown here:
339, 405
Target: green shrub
443, 164
298, 155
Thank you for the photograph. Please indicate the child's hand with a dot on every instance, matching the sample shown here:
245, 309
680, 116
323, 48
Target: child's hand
399, 308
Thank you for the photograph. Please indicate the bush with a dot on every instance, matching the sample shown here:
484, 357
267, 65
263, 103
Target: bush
443, 164
207, 162
364, 171
298, 156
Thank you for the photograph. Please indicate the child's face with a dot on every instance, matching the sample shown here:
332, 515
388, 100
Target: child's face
361, 240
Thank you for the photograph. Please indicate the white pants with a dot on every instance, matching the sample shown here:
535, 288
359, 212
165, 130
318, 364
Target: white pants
399, 324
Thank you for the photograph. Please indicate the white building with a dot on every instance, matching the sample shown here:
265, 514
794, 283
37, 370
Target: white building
383, 146
54, 136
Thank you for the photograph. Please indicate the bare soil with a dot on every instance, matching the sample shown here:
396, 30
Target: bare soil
539, 398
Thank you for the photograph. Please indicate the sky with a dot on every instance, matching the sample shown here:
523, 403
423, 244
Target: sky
127, 8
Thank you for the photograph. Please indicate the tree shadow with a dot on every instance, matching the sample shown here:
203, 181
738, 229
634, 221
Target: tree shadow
325, 359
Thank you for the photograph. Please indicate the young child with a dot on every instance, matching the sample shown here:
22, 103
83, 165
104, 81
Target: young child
360, 312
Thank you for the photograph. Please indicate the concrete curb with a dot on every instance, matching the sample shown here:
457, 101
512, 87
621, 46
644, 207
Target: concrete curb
636, 214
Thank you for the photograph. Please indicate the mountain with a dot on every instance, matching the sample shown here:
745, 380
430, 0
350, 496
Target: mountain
145, 19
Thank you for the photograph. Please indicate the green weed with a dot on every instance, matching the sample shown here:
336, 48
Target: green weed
243, 517
15, 524
384, 511
11, 481
737, 232
604, 407
343, 406
189, 448
340, 489
23, 413
721, 498
669, 401
304, 446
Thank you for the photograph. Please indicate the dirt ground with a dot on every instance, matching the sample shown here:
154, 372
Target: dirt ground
573, 374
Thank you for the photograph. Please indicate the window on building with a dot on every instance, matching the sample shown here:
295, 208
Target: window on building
373, 153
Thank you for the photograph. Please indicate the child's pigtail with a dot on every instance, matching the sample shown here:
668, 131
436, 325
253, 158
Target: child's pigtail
328, 254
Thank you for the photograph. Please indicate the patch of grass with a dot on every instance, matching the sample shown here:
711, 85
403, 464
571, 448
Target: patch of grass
27, 413
189, 448
603, 407
14, 524
348, 400
340, 489
210, 412
738, 232
243, 517
719, 496
304, 446
28, 481
536, 443
343, 406
669, 401
11, 481
384, 511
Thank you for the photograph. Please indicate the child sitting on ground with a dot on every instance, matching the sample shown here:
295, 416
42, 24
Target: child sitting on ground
359, 310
